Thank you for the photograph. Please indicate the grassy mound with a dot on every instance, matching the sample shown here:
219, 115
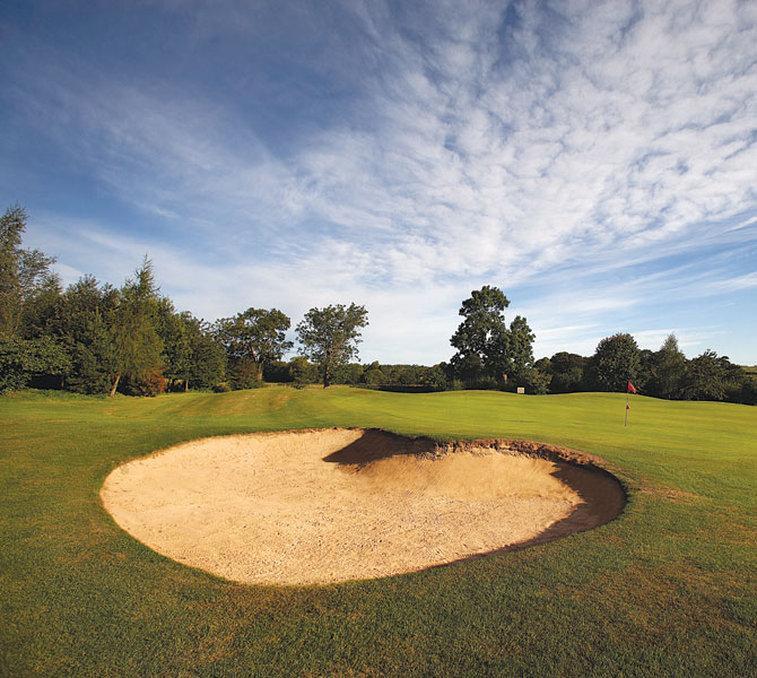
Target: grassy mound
667, 588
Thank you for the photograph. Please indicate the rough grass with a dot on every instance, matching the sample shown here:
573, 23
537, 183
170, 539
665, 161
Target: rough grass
668, 588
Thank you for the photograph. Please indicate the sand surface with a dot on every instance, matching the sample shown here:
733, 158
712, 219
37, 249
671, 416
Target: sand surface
314, 507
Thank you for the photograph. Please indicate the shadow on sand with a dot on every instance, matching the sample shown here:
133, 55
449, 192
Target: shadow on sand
603, 495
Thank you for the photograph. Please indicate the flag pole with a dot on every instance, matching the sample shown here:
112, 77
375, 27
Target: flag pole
628, 407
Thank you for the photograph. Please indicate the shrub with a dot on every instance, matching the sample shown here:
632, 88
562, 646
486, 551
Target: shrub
23, 359
245, 373
151, 383
303, 372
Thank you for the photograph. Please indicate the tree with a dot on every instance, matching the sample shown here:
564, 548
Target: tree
81, 323
520, 355
481, 339
568, 372
373, 375
138, 346
174, 329
534, 380
705, 378
253, 339
207, 364
23, 359
349, 373
615, 361
330, 336
669, 369
488, 352
23, 273
302, 372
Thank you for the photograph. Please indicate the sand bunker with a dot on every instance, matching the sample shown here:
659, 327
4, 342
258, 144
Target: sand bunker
315, 507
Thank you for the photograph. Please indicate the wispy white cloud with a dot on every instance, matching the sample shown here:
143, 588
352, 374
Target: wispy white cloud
570, 142
739, 282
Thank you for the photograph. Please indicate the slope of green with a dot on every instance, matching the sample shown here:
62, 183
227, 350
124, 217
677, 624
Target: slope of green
666, 589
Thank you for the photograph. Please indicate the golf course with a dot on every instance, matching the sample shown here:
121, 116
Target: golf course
665, 588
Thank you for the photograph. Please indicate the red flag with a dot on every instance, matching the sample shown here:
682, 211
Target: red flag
630, 388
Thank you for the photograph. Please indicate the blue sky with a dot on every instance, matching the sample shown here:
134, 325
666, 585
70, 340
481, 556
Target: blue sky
595, 160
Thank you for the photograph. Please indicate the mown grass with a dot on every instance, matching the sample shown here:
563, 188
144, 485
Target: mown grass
667, 589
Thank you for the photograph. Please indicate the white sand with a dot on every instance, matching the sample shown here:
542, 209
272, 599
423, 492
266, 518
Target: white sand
269, 509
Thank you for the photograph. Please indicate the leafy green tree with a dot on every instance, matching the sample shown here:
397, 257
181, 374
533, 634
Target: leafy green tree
207, 365
705, 378
436, 377
41, 311
176, 330
253, 339
490, 354
669, 369
191, 352
481, 339
23, 359
568, 372
81, 324
277, 372
350, 373
535, 380
748, 392
519, 360
138, 346
330, 336
303, 372
373, 375
615, 361
23, 273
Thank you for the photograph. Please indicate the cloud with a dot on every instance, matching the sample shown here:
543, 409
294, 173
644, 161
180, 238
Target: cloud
740, 282
520, 144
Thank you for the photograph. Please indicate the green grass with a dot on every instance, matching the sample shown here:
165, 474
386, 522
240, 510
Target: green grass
668, 588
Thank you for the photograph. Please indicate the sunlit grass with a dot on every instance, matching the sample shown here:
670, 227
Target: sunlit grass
666, 589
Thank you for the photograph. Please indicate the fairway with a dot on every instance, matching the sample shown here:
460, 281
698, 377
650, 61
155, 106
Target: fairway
666, 588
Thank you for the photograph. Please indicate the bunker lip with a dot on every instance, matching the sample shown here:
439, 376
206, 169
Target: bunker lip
602, 502
323, 506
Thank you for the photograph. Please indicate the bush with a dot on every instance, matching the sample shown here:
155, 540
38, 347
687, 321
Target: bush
92, 370
303, 372
245, 373
277, 371
23, 359
150, 384
484, 383
221, 387
534, 380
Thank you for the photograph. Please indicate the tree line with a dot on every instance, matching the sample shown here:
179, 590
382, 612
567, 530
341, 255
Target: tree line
95, 338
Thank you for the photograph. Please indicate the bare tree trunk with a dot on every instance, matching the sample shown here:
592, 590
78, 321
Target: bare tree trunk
186, 385
115, 384
326, 380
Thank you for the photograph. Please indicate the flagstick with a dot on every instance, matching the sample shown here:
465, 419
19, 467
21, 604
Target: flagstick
625, 423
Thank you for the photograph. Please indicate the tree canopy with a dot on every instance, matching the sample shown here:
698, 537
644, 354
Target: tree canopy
330, 336
253, 339
488, 351
23, 273
615, 361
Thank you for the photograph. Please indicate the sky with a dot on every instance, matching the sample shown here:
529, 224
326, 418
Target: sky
595, 160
